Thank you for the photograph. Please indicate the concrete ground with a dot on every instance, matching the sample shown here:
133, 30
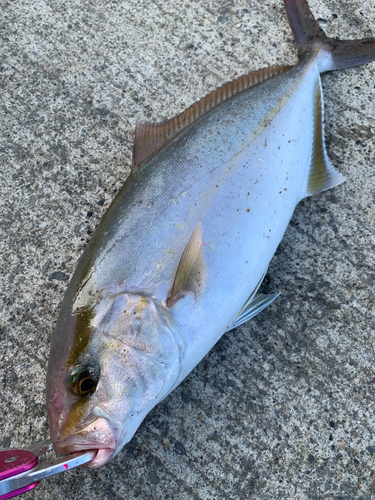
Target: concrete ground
283, 406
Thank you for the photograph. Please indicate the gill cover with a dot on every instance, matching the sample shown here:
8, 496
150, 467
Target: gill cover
144, 340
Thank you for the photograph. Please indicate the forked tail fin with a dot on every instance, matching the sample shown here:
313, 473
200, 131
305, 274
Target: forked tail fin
334, 54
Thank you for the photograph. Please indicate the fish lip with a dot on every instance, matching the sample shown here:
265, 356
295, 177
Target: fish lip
73, 444
101, 457
98, 435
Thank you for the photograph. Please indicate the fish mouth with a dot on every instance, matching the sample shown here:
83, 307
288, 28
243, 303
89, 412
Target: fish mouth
97, 436
102, 456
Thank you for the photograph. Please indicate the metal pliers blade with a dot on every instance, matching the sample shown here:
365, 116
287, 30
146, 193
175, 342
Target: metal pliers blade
20, 470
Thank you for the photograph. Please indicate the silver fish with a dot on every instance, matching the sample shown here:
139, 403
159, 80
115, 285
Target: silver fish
178, 258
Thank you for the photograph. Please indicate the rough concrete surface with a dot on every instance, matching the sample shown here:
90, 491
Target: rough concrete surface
283, 406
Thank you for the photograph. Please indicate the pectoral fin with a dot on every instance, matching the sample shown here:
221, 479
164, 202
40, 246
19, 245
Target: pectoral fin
190, 273
252, 308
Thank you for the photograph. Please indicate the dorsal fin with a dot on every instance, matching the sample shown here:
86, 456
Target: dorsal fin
191, 269
152, 137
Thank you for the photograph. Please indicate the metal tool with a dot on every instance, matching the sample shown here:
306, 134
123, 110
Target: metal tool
21, 472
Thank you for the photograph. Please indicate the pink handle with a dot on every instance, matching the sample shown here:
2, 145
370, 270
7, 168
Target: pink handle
14, 462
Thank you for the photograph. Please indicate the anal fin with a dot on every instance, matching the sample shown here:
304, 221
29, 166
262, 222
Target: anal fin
322, 173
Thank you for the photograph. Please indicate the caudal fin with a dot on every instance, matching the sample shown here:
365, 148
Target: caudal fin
334, 54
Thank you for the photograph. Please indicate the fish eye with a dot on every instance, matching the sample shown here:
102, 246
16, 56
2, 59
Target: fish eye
84, 380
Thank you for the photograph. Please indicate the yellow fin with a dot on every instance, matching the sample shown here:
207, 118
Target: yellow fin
190, 273
150, 138
322, 174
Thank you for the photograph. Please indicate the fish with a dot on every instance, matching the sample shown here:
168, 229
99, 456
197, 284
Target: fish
178, 258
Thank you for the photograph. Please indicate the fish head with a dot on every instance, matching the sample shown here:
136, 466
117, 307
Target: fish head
110, 364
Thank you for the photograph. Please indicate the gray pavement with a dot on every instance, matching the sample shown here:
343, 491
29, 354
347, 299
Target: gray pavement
283, 406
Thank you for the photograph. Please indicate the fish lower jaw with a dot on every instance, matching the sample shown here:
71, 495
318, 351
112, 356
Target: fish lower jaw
70, 445
98, 435
102, 457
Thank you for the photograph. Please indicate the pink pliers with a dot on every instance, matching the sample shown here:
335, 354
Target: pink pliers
21, 472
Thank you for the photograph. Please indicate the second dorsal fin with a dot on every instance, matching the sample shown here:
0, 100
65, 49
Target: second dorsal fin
152, 137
